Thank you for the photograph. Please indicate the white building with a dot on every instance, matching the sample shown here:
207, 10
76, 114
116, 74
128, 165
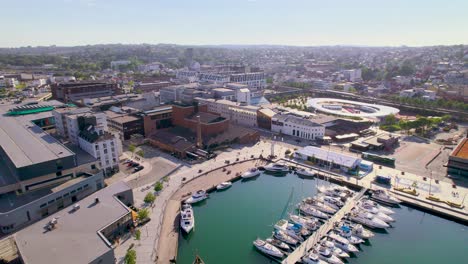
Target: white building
255, 80
151, 67
238, 114
243, 96
353, 75
69, 121
297, 126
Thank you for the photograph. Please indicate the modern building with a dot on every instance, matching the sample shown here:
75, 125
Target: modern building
238, 114
84, 232
353, 75
124, 123
288, 124
191, 117
224, 93
143, 101
251, 79
174, 93
75, 91
145, 87
158, 118
458, 160
328, 159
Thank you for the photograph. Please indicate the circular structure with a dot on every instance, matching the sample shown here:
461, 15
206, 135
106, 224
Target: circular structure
350, 108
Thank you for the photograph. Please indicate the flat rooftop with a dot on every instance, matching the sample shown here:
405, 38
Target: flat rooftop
24, 142
76, 238
461, 151
330, 156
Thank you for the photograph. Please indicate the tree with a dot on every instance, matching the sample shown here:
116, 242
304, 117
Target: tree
132, 148
138, 234
149, 198
390, 119
158, 187
143, 214
140, 153
130, 257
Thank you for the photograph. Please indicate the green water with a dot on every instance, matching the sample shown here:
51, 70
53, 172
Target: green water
228, 222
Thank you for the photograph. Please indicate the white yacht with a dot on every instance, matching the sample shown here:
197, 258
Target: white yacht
254, 172
305, 173
369, 203
198, 196
311, 224
224, 185
367, 219
356, 229
282, 236
336, 191
326, 254
312, 258
346, 233
315, 203
383, 196
335, 250
308, 210
278, 243
333, 202
342, 243
292, 230
187, 219
373, 210
278, 168
267, 248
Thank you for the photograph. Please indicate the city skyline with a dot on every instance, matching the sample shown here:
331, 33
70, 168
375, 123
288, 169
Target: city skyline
251, 22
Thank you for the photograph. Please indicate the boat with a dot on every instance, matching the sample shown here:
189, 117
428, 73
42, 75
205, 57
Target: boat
384, 197
336, 191
319, 205
277, 168
356, 229
308, 210
327, 255
292, 230
187, 219
342, 243
367, 203
312, 258
335, 250
223, 185
253, 172
332, 202
198, 260
345, 232
198, 196
278, 243
267, 248
373, 210
311, 224
305, 173
367, 219
282, 236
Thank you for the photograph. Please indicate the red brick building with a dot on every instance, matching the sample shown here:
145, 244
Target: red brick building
188, 116
74, 91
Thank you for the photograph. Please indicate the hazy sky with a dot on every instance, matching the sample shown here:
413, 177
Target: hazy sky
289, 22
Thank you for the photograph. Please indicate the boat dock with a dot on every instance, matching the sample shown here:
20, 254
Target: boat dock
301, 250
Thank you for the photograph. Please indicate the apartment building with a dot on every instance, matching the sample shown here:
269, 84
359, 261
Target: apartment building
296, 126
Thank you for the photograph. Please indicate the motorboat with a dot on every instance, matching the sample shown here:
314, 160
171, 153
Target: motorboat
342, 243
336, 191
293, 230
198, 260
267, 248
356, 229
373, 210
282, 236
384, 197
311, 224
319, 205
278, 243
223, 185
312, 258
335, 250
369, 203
327, 255
277, 168
332, 202
367, 219
187, 219
305, 173
308, 210
198, 196
253, 172
345, 232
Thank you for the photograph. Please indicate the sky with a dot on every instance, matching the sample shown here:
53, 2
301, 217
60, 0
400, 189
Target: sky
201, 22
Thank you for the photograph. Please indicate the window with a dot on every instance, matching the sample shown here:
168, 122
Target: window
58, 173
43, 205
97, 146
80, 188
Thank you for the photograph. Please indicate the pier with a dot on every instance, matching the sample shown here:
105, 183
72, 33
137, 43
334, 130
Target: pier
301, 250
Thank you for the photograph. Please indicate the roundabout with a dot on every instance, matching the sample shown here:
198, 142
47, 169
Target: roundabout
350, 108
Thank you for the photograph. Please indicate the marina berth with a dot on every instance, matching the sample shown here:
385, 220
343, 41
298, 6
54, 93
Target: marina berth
310, 211
254, 172
282, 236
305, 173
342, 243
369, 203
309, 223
327, 255
312, 258
384, 197
356, 229
223, 186
187, 219
332, 202
367, 219
277, 168
335, 250
198, 196
267, 248
278, 243
292, 230
315, 203
346, 233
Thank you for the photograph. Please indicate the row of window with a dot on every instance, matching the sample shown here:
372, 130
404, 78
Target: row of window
64, 195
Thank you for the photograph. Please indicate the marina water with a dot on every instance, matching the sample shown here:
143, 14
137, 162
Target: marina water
227, 223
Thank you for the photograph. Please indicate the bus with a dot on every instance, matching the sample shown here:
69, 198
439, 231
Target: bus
378, 159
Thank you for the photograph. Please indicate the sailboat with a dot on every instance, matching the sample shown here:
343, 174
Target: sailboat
198, 260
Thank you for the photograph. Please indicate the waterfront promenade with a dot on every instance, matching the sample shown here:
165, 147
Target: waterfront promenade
301, 250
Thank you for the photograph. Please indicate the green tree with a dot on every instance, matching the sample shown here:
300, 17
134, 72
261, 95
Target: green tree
149, 198
140, 153
130, 257
138, 234
158, 187
132, 149
143, 214
390, 119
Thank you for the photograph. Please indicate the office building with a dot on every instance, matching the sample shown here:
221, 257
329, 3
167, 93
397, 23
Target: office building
75, 91
288, 124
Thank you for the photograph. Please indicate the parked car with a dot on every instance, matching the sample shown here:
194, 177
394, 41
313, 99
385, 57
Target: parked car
139, 168
135, 164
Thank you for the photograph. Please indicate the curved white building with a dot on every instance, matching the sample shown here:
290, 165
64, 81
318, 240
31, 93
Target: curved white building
350, 108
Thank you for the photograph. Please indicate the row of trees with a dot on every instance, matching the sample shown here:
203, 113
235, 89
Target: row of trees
439, 103
422, 123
